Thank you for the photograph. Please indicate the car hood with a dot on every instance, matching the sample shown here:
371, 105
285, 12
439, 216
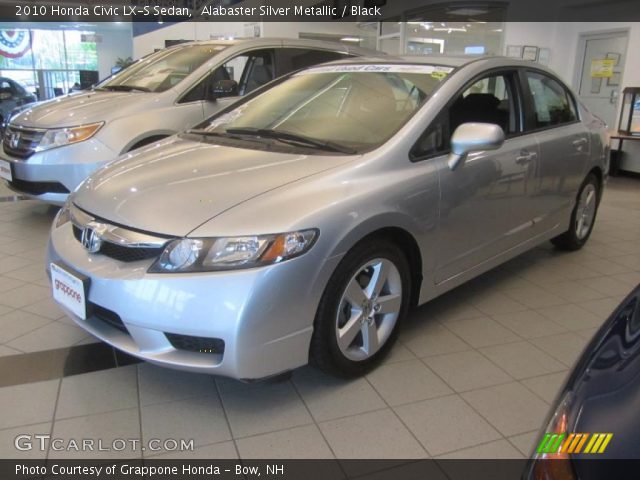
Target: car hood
82, 108
175, 187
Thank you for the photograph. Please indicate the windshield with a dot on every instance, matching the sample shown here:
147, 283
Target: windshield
350, 107
162, 70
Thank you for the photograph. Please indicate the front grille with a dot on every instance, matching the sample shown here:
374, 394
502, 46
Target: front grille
196, 344
108, 317
38, 188
21, 142
120, 252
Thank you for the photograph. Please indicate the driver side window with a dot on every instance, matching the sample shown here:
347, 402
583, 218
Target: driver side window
249, 70
488, 100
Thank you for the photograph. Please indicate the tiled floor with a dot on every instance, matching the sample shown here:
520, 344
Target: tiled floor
473, 375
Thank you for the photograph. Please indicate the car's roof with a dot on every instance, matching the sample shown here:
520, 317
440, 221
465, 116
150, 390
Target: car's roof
290, 42
444, 60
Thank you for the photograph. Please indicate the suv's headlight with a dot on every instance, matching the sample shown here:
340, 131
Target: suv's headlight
229, 253
59, 137
63, 216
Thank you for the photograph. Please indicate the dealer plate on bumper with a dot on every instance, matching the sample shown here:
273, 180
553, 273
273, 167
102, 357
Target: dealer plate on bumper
5, 170
69, 289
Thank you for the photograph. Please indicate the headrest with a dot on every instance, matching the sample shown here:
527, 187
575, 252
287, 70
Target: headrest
480, 101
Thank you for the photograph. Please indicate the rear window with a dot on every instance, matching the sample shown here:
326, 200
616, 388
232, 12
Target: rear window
552, 102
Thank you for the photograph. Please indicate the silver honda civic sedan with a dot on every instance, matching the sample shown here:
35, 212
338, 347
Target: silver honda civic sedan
302, 223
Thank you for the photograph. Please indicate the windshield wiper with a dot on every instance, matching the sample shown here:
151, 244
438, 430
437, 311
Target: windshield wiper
207, 133
289, 137
124, 88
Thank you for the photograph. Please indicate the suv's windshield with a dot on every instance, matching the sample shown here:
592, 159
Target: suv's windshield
340, 108
162, 70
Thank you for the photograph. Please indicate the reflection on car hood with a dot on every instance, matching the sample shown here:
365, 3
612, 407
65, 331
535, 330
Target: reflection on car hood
177, 186
82, 108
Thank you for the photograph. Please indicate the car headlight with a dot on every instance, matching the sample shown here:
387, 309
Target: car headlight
59, 137
63, 216
230, 253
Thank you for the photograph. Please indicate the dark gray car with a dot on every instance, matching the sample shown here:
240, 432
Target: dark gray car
12, 96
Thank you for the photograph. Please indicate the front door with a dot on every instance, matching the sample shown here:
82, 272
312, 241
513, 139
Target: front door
486, 203
598, 85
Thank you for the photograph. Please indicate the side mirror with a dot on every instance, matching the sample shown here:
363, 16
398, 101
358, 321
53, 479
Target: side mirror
5, 95
222, 88
473, 137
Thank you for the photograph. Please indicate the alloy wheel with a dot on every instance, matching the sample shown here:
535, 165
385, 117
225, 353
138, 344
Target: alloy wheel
369, 309
586, 211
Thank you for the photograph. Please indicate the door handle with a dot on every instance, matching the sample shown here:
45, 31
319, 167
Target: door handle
613, 98
525, 157
579, 143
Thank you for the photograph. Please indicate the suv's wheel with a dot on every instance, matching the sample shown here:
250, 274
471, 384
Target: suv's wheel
361, 309
583, 216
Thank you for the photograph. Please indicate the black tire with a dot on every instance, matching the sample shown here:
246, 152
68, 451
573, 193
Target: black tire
571, 240
325, 352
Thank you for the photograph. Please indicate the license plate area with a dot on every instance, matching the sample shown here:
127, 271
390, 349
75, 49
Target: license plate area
70, 289
6, 170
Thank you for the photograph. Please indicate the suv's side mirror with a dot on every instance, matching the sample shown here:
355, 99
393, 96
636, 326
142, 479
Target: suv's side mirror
6, 95
473, 137
222, 88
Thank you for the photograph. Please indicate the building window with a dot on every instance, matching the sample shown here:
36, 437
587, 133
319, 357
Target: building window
46, 62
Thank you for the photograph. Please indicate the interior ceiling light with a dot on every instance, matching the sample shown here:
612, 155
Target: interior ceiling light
425, 25
450, 29
350, 39
468, 12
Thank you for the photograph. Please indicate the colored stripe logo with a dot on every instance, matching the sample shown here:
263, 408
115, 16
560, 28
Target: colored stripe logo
557, 443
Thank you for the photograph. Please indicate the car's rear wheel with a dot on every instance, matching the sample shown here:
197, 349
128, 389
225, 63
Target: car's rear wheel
583, 216
361, 309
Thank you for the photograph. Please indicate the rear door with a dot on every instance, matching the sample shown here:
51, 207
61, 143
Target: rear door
552, 115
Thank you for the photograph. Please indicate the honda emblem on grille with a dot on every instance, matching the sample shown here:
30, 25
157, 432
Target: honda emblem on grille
14, 139
91, 240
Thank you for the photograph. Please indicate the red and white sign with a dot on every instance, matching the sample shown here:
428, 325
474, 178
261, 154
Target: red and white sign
68, 291
14, 43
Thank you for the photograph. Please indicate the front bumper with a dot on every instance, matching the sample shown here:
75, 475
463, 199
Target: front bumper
65, 166
264, 316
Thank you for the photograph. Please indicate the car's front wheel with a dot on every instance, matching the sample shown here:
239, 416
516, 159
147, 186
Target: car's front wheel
361, 309
583, 216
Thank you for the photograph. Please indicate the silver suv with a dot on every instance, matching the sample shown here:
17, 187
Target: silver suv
51, 148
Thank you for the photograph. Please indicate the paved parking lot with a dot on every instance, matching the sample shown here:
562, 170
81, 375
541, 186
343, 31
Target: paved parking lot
473, 375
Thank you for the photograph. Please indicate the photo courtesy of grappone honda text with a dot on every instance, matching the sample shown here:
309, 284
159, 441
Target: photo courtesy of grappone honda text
49, 149
303, 222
